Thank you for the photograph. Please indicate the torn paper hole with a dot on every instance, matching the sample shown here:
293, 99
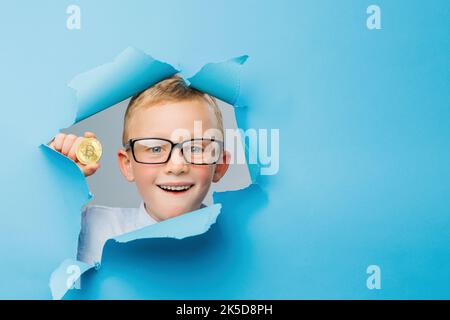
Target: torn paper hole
138, 69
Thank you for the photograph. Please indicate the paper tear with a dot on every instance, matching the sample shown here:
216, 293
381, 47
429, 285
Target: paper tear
253, 168
221, 80
66, 276
76, 175
131, 72
180, 227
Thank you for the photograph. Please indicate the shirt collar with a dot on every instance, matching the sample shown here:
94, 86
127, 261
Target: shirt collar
145, 219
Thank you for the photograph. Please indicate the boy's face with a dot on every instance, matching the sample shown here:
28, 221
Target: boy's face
162, 121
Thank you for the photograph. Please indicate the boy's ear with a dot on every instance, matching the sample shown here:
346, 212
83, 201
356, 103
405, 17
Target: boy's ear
222, 166
125, 165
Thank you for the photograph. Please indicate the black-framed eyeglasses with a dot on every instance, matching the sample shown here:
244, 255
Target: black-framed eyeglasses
201, 151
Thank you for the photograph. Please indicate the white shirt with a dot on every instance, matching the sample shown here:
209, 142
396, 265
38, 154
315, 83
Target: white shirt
101, 223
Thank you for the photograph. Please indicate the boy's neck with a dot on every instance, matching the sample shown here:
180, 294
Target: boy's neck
156, 218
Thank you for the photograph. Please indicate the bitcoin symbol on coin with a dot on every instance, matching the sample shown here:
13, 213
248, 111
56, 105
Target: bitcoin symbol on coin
89, 151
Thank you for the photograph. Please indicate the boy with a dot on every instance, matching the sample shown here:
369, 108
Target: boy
172, 162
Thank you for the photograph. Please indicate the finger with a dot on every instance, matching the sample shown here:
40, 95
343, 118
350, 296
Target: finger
51, 144
90, 169
89, 134
73, 150
58, 142
68, 142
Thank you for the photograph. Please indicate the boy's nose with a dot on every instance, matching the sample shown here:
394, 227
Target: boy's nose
176, 164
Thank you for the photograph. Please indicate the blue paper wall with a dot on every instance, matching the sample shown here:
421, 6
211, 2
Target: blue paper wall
364, 148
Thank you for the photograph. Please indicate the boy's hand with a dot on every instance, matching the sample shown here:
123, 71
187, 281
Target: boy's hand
67, 145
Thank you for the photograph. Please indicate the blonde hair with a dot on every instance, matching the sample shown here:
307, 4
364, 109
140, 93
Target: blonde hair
171, 89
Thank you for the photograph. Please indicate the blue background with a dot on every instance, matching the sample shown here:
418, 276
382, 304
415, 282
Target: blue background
364, 125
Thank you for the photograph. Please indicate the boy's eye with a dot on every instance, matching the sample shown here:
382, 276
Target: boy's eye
154, 149
196, 149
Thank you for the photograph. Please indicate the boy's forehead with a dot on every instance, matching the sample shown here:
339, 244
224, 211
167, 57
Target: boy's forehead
163, 119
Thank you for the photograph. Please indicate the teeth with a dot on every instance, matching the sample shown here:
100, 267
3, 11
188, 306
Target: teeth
175, 188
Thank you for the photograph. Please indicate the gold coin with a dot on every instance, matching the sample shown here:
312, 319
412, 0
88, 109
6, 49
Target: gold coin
89, 151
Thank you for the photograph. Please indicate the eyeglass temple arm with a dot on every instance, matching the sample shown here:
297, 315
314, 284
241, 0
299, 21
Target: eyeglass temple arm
127, 145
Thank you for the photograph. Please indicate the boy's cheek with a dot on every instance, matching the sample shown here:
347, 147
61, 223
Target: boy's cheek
144, 178
203, 174
145, 171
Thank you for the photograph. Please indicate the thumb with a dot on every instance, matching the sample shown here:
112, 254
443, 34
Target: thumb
89, 134
90, 169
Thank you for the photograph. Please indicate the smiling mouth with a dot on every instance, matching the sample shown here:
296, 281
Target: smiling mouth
175, 189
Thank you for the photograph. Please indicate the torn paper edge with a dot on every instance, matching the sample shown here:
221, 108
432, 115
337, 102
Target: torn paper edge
69, 272
105, 86
131, 72
221, 80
